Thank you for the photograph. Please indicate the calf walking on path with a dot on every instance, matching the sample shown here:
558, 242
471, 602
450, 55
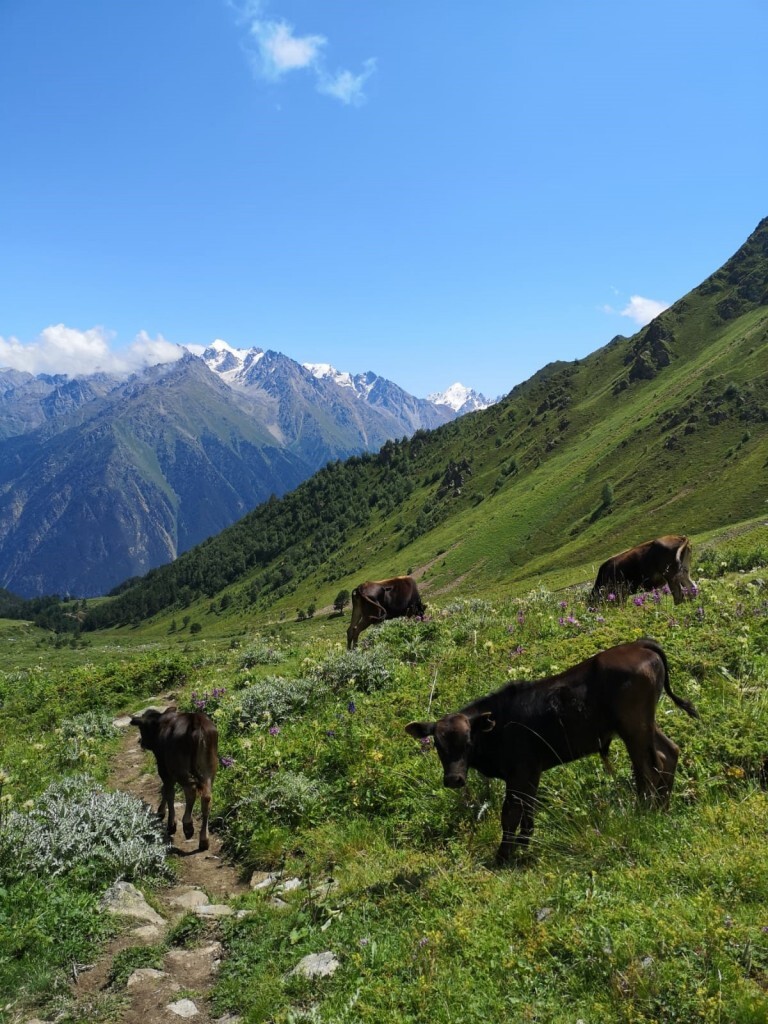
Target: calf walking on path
185, 745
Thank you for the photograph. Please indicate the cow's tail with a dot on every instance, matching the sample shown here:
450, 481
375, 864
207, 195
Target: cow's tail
681, 702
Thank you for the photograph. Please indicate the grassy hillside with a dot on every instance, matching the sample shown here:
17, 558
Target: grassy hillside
618, 914
666, 431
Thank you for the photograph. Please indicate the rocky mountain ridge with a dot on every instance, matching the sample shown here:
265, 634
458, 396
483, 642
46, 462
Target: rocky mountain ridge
102, 479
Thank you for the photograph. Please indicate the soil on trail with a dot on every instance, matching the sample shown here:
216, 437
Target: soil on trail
200, 878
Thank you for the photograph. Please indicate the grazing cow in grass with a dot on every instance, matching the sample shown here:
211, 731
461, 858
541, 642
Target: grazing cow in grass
651, 564
185, 745
378, 600
525, 728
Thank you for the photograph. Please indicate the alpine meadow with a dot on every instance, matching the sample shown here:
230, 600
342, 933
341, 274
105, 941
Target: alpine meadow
618, 910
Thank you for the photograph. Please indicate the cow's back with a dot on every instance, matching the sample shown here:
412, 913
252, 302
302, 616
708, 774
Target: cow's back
188, 744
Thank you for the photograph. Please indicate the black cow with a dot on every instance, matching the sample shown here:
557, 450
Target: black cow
185, 745
651, 564
378, 600
525, 728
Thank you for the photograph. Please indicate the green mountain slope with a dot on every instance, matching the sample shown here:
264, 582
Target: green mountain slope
666, 431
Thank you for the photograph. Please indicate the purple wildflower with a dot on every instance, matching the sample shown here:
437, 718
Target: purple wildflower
572, 621
226, 761
423, 942
599, 618
425, 744
639, 600
330, 733
700, 613
611, 597
563, 604
362, 942
519, 649
656, 596
274, 730
351, 707
520, 618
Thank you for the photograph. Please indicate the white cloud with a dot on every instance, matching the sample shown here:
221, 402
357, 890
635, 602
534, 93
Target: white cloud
62, 349
345, 86
642, 310
639, 309
279, 50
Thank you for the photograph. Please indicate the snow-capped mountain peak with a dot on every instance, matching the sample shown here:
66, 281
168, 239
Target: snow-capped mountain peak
228, 362
324, 371
460, 398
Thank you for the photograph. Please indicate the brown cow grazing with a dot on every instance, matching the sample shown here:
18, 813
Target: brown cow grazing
378, 600
185, 745
651, 564
525, 728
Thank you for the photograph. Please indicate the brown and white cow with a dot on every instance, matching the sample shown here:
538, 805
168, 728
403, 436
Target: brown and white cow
185, 745
651, 564
377, 600
526, 728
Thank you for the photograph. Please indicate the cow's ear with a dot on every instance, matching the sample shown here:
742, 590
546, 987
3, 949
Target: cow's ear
484, 722
420, 730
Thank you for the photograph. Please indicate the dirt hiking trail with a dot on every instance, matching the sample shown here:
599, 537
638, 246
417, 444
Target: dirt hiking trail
204, 884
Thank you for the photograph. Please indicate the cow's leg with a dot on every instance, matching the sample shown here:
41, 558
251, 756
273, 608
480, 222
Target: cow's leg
190, 792
517, 816
352, 633
667, 755
167, 801
205, 804
642, 753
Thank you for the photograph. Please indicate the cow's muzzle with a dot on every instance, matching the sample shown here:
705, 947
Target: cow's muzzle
454, 781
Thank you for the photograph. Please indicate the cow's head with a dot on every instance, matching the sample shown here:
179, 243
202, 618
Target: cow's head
148, 723
454, 737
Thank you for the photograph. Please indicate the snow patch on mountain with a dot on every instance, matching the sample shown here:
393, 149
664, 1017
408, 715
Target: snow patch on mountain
231, 364
460, 398
324, 371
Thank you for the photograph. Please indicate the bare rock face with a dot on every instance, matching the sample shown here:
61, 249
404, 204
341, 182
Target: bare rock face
317, 965
145, 976
125, 899
183, 1008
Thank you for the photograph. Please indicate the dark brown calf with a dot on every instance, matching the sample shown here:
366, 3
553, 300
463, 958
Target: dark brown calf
525, 728
651, 564
377, 600
185, 745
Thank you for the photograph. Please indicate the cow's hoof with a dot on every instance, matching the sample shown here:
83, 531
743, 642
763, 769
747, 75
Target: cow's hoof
204, 844
172, 829
189, 829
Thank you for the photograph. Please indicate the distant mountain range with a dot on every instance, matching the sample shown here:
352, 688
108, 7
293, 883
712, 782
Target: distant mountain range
102, 479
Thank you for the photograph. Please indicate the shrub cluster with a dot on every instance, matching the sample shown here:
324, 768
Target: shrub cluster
77, 825
271, 700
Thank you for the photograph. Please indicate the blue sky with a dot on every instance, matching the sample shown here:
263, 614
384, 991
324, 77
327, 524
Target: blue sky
436, 191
